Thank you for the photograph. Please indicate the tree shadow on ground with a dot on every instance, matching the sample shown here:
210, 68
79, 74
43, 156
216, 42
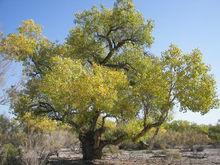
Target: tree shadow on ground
75, 162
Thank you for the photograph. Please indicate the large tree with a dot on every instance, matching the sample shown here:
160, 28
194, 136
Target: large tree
102, 81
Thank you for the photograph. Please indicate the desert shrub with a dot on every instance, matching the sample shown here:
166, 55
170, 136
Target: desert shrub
214, 133
10, 154
9, 131
130, 145
111, 149
170, 139
32, 140
182, 126
10, 138
173, 154
43, 138
39, 146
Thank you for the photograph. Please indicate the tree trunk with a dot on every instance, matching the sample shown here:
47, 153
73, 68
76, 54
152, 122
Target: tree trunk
90, 146
152, 140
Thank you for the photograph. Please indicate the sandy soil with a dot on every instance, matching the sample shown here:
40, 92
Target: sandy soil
210, 156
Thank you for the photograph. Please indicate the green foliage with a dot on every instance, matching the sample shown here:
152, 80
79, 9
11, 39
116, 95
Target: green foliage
171, 139
182, 125
190, 80
178, 133
122, 24
9, 131
10, 155
214, 133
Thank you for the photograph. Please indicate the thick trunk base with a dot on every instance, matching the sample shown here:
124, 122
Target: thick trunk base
91, 154
89, 150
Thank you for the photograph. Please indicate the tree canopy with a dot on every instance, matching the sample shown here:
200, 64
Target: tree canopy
102, 81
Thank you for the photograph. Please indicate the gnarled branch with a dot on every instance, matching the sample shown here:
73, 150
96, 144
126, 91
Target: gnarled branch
152, 125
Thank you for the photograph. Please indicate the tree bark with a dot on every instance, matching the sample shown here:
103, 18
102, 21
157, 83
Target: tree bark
152, 140
90, 146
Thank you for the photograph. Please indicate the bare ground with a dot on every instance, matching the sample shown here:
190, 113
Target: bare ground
210, 156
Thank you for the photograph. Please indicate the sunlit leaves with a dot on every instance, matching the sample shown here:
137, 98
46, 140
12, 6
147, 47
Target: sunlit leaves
30, 29
22, 45
83, 46
70, 83
99, 31
189, 78
17, 46
132, 127
38, 124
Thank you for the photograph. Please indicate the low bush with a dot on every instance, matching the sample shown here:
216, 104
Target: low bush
176, 133
38, 147
10, 154
31, 141
171, 139
214, 133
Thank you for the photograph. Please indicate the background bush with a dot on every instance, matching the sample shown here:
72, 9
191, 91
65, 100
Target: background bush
10, 155
31, 140
175, 134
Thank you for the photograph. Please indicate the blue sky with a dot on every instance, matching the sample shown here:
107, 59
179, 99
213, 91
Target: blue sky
189, 24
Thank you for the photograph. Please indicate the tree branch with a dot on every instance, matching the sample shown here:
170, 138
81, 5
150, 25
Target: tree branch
118, 66
107, 39
115, 141
146, 111
149, 126
114, 48
94, 120
151, 143
48, 108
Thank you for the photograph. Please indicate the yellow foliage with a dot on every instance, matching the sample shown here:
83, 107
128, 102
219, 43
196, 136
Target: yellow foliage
18, 46
30, 29
71, 83
41, 124
132, 127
